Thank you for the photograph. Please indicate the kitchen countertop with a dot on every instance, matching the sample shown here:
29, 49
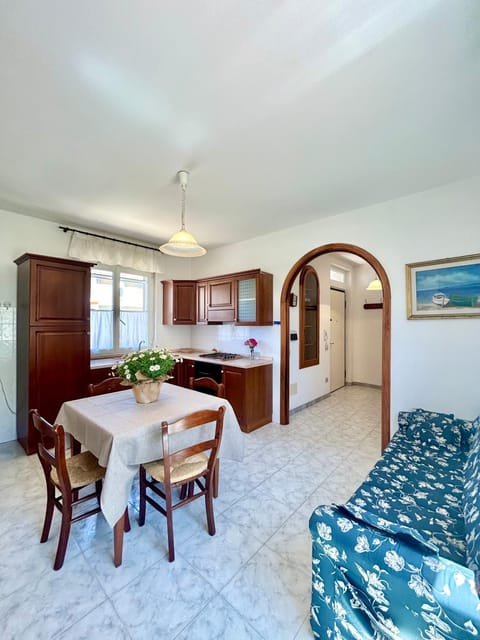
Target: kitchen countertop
242, 362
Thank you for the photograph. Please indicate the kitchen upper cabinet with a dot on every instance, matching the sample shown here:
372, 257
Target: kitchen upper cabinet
53, 338
255, 298
245, 298
249, 391
221, 300
179, 302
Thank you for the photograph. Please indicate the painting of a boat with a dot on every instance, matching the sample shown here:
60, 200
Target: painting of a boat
440, 299
445, 288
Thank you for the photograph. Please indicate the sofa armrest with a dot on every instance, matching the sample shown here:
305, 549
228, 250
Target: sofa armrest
369, 582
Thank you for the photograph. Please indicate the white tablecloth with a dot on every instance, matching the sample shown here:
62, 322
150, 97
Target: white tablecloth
124, 434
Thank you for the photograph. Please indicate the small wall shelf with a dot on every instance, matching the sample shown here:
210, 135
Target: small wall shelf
373, 305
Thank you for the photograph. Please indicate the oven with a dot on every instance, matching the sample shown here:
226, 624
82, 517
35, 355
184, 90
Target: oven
208, 370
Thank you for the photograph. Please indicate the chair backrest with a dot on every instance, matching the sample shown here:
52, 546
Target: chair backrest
109, 385
49, 459
196, 419
208, 385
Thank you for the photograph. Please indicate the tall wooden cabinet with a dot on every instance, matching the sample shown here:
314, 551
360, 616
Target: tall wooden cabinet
53, 338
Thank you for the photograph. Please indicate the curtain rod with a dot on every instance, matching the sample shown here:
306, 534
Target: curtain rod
97, 235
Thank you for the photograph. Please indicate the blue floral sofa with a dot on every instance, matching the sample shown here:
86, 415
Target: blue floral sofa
401, 559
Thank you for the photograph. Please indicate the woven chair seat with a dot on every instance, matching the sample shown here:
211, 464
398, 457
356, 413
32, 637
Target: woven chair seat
83, 469
186, 468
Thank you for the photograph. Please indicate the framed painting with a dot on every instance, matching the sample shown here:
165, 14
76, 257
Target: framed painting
447, 288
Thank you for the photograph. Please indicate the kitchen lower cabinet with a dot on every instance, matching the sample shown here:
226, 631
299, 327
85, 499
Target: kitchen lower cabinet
98, 374
249, 391
182, 372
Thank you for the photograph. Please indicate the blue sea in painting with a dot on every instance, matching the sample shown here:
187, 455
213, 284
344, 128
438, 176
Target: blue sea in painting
466, 296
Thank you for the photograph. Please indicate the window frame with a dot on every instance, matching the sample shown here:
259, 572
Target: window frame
116, 271
304, 308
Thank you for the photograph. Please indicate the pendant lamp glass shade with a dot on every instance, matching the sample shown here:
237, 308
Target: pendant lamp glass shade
375, 285
182, 244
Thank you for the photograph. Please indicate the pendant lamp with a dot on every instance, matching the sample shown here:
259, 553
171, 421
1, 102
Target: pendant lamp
182, 244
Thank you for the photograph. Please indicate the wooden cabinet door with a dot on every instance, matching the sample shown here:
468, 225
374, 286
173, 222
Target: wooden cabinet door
188, 372
179, 301
59, 292
255, 299
221, 296
234, 381
249, 391
184, 303
59, 371
201, 303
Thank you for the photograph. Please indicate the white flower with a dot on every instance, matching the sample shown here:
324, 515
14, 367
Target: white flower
151, 367
344, 524
362, 545
417, 584
394, 560
324, 531
332, 552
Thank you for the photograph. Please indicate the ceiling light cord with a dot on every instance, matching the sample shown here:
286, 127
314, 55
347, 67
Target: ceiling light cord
184, 199
182, 244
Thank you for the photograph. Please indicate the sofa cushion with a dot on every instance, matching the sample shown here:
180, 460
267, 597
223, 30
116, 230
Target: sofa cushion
442, 429
471, 503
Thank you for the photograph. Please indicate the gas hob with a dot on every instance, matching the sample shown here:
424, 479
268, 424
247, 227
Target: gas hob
221, 355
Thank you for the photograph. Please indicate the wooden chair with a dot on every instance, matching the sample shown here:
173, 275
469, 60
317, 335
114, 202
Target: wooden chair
109, 385
190, 467
67, 475
214, 388
207, 385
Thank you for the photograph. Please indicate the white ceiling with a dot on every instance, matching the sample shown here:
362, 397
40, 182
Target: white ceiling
283, 111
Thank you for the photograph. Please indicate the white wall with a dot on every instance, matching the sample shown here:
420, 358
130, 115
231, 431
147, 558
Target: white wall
366, 329
434, 362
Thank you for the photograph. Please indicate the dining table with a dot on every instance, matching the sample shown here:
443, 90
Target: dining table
123, 434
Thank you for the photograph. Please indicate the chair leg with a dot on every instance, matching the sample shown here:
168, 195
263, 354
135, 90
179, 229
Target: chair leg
142, 501
209, 507
98, 490
216, 477
126, 526
64, 534
47, 523
168, 509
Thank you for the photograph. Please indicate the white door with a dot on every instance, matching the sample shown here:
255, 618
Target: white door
337, 339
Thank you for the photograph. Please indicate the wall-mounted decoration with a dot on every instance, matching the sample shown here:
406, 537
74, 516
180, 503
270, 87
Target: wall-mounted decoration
447, 288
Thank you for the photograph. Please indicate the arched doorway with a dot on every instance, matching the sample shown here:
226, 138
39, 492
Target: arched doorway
285, 329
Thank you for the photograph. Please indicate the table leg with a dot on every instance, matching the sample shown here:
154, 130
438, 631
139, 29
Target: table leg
118, 540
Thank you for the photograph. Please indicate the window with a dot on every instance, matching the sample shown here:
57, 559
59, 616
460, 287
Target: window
309, 318
120, 310
337, 275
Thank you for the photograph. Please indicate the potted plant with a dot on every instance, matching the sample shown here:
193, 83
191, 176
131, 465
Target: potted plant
145, 371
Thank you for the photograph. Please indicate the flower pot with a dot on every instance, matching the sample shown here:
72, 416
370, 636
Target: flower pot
148, 391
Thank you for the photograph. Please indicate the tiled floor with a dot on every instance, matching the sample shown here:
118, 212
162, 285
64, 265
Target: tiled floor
250, 581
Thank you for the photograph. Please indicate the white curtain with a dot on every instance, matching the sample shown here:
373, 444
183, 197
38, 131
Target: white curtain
104, 251
133, 328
